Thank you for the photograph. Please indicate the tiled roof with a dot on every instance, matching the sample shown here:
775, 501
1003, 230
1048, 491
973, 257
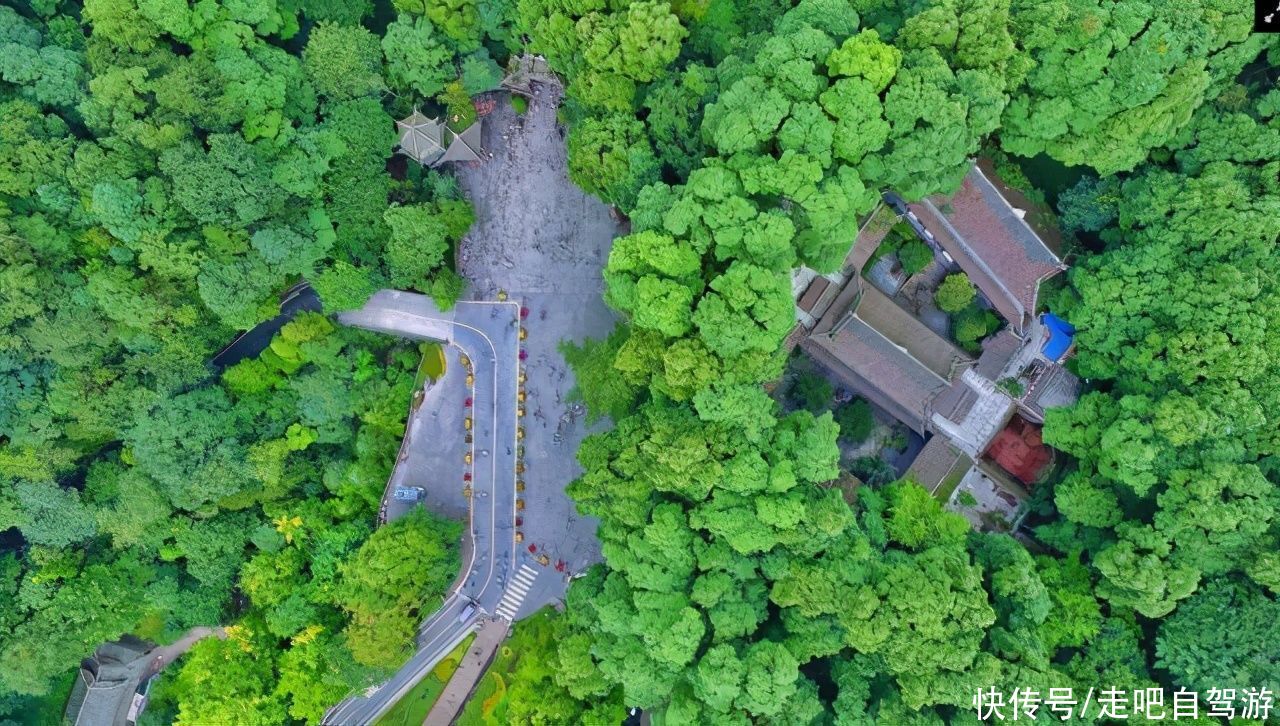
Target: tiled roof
464, 146
1055, 386
907, 332
870, 236
936, 461
811, 295
877, 369
955, 402
999, 252
997, 351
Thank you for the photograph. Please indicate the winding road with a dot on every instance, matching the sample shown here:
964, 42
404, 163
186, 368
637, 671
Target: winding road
488, 333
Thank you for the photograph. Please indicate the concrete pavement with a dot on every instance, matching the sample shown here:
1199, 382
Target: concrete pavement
544, 241
431, 455
487, 333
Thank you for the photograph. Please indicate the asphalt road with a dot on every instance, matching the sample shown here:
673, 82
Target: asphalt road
255, 340
488, 334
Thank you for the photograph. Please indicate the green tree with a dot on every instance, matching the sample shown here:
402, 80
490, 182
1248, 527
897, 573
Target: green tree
416, 56
955, 293
343, 61
416, 248
1124, 80
611, 158
855, 420
399, 574
1203, 650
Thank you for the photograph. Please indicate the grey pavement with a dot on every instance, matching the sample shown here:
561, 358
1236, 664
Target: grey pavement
544, 241
431, 455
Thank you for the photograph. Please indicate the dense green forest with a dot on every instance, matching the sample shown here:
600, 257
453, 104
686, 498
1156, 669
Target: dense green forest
739, 588
166, 172
168, 168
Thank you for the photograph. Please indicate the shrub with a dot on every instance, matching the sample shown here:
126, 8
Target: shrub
1011, 386
955, 293
972, 325
811, 391
872, 470
915, 256
855, 420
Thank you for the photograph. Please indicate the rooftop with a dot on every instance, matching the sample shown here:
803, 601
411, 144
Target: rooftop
878, 369
907, 332
937, 461
988, 238
431, 142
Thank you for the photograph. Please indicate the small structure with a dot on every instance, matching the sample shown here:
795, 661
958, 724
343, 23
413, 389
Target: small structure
105, 689
1020, 450
1060, 338
431, 142
525, 70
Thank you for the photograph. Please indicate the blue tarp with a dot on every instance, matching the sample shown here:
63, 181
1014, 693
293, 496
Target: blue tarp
1061, 333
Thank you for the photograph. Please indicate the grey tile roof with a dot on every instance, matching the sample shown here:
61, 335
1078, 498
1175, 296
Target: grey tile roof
878, 370
937, 460
997, 351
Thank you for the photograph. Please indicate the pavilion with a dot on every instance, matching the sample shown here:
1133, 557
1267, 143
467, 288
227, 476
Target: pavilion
431, 142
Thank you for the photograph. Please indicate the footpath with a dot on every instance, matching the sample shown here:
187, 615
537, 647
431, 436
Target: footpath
470, 670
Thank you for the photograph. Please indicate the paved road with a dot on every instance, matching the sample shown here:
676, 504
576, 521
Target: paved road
255, 340
488, 334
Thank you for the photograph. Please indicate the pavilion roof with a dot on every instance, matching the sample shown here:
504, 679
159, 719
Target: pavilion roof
464, 146
422, 138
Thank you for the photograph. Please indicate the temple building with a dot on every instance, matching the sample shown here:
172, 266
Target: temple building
979, 413
111, 685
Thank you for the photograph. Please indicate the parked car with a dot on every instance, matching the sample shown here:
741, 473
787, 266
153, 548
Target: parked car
409, 494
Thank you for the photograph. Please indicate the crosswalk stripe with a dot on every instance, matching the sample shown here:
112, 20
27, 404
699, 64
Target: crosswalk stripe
517, 589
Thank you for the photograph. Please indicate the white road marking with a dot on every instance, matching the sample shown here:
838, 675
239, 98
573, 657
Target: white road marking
514, 596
